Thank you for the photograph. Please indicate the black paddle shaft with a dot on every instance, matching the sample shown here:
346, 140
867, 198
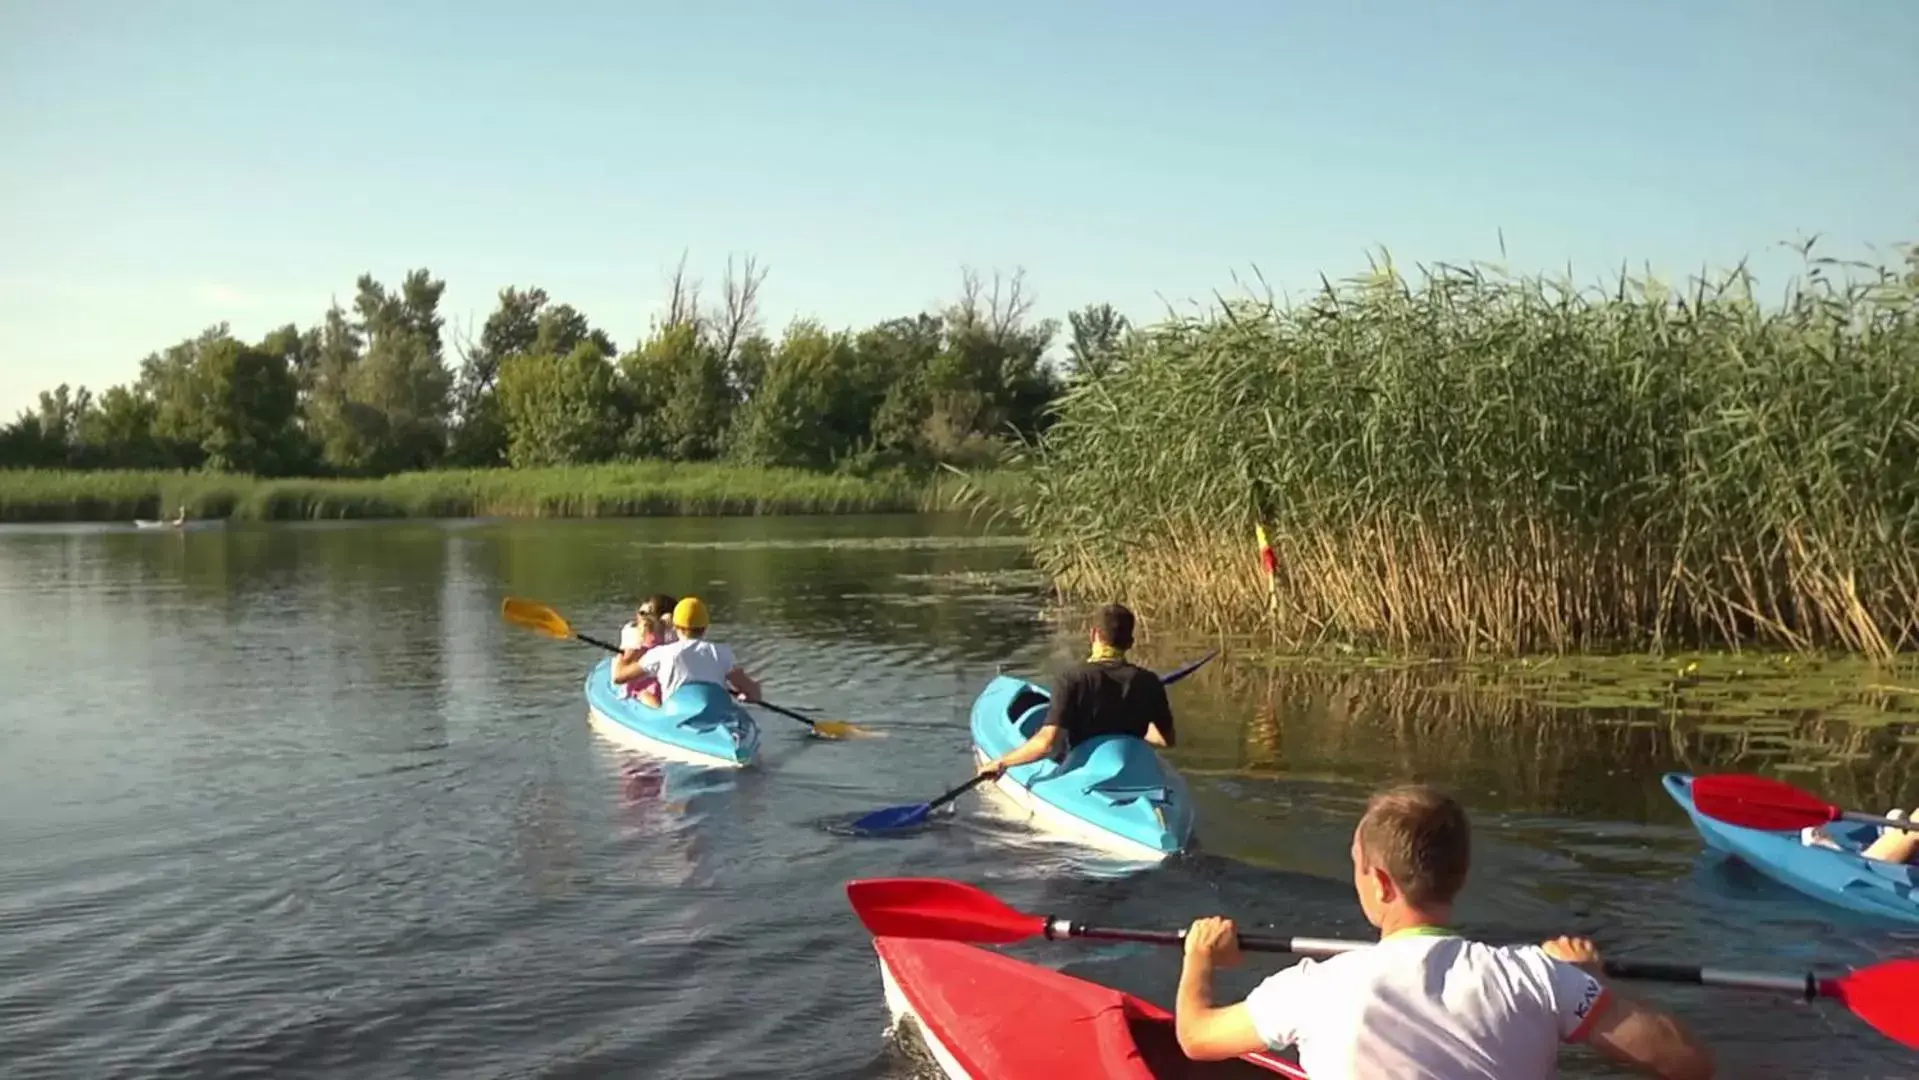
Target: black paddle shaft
1806, 985
1299, 946
957, 792
596, 641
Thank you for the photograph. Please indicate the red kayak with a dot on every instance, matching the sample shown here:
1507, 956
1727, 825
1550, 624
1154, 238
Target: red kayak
978, 1012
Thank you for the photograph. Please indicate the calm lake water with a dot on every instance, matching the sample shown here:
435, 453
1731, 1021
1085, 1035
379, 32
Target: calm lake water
293, 801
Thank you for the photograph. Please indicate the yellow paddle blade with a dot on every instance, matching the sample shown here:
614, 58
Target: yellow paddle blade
536, 617
840, 729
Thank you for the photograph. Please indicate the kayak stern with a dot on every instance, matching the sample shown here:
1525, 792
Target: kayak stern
700, 724
1112, 792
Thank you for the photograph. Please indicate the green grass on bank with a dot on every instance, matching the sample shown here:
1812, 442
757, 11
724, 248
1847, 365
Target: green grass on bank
646, 489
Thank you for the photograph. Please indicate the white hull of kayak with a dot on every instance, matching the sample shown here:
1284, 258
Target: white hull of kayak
901, 1009
633, 739
1047, 818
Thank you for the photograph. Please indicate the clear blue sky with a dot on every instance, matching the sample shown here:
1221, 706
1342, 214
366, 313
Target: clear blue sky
164, 166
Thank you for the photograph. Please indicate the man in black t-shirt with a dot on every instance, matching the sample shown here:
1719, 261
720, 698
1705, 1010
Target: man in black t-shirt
1106, 695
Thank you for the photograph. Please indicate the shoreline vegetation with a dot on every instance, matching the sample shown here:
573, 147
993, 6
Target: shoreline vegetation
380, 409
645, 489
1470, 463
1461, 463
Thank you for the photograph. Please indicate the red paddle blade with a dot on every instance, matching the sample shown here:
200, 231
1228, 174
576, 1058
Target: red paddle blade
1883, 995
1757, 802
937, 908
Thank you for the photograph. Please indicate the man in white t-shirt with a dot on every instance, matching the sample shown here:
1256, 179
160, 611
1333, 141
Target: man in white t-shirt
692, 658
1425, 1002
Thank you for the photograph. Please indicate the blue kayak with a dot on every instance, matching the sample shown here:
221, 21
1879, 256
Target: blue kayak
700, 723
1842, 877
1111, 791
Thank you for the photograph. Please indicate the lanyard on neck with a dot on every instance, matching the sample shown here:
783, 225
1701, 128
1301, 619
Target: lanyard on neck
1420, 931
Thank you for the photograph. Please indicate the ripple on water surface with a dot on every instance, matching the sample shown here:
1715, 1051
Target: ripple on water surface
322, 813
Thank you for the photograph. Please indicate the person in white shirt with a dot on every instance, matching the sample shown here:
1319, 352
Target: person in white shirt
1424, 1003
692, 658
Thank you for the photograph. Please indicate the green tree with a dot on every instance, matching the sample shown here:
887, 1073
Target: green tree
118, 431
399, 397
209, 402
1098, 331
172, 381
681, 384
25, 444
298, 349
326, 410
559, 410
751, 358
562, 328
989, 382
385, 408
249, 398
677, 395
523, 323
62, 410
791, 418
903, 351
372, 393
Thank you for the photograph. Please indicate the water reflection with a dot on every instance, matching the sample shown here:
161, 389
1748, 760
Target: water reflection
326, 797
1507, 751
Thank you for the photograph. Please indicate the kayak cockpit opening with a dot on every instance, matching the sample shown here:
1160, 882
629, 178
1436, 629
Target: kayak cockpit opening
1027, 698
1158, 1044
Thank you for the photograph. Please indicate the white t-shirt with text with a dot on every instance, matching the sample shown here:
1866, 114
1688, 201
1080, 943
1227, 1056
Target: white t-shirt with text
1428, 1005
687, 660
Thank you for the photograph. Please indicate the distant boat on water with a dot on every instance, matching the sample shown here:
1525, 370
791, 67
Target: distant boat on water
181, 521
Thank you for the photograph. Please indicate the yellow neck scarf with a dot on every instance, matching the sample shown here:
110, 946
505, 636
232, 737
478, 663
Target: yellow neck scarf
1103, 651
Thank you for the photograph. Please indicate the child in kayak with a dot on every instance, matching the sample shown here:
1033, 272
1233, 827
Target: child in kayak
647, 631
692, 658
1892, 845
1425, 1002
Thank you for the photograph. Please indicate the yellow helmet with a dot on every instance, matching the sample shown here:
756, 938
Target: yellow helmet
689, 614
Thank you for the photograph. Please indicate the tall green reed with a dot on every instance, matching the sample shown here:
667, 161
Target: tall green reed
1479, 462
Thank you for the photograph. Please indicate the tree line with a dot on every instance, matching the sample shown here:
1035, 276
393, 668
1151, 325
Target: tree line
368, 390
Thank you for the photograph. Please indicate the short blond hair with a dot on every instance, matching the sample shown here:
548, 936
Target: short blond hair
1418, 835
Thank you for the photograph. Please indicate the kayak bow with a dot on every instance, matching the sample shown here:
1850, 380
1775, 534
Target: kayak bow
986, 1015
1843, 876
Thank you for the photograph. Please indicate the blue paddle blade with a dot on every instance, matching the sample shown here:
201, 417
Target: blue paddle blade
893, 817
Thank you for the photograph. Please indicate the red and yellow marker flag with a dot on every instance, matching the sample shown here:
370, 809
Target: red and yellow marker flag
1267, 560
